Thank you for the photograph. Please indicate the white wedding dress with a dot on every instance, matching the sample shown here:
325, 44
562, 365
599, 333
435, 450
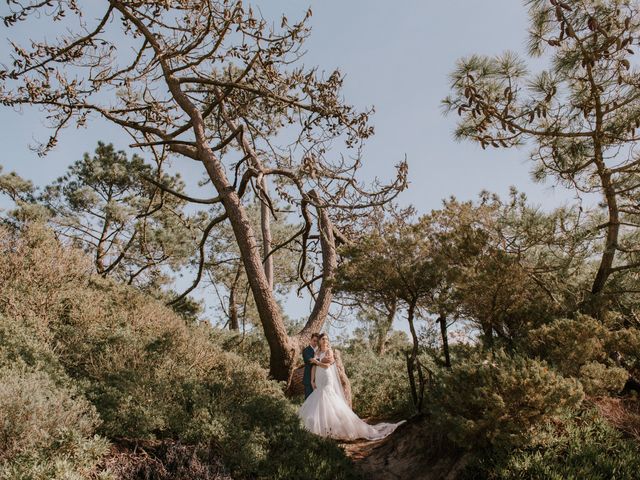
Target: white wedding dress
326, 413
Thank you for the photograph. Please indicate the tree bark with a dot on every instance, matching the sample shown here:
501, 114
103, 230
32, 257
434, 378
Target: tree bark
329, 263
281, 349
613, 227
265, 225
487, 333
234, 325
414, 336
442, 320
100, 251
383, 332
413, 362
412, 377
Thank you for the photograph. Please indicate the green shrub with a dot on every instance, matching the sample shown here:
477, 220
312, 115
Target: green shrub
598, 379
581, 348
21, 342
569, 344
379, 383
148, 374
250, 345
46, 431
497, 400
627, 342
584, 449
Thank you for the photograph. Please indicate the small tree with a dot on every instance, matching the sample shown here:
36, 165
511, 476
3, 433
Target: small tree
22, 192
581, 114
393, 265
507, 266
131, 227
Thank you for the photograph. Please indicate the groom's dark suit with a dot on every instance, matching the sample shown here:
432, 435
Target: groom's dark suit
307, 354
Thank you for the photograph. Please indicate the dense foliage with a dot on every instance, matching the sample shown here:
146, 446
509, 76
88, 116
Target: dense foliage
47, 426
498, 400
587, 448
88, 356
379, 383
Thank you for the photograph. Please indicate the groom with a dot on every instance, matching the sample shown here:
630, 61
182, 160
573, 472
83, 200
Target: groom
308, 355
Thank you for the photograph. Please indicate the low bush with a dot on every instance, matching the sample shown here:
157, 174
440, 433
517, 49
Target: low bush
379, 383
46, 430
569, 344
251, 345
587, 448
582, 348
498, 400
626, 342
146, 373
599, 379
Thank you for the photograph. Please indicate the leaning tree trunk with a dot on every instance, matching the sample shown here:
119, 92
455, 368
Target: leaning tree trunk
265, 226
327, 241
283, 349
280, 345
610, 197
613, 230
234, 324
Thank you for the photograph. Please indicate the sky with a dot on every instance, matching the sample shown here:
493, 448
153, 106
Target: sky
396, 57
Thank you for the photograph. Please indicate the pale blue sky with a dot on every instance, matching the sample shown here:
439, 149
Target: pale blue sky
396, 57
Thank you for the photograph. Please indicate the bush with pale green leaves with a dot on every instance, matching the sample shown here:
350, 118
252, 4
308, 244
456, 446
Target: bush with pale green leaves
379, 383
105, 358
46, 430
497, 400
582, 348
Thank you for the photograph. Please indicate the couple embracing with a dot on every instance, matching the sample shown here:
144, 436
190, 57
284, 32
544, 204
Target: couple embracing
325, 410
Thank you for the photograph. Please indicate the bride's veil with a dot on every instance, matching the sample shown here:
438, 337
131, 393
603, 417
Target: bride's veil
335, 381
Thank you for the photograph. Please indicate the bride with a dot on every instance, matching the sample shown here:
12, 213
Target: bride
326, 413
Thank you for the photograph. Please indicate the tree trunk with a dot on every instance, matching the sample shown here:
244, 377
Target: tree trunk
613, 226
383, 332
413, 362
234, 325
412, 377
100, 251
613, 229
329, 263
487, 333
283, 349
414, 336
265, 225
445, 340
